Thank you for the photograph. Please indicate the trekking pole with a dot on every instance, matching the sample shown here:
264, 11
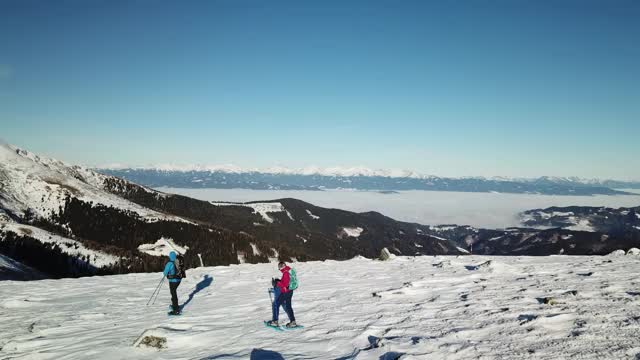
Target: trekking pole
156, 290
158, 293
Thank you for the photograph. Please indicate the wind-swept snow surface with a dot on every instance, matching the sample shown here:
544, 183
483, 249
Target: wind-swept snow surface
467, 307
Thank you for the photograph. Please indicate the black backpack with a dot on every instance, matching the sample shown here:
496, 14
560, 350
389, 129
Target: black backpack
178, 266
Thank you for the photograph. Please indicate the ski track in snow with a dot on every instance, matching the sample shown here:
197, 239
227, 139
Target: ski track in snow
468, 307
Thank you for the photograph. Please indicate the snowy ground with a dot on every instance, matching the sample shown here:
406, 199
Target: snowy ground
426, 308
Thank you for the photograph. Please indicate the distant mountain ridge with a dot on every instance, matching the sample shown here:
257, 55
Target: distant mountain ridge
342, 171
358, 179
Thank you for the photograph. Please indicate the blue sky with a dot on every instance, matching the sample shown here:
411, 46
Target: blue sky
514, 88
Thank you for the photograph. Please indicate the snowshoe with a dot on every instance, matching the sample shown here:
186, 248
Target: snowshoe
292, 326
273, 324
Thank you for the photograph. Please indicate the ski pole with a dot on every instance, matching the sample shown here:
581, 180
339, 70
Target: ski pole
154, 291
158, 293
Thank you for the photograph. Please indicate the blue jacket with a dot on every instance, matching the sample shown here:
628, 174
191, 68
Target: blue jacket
170, 269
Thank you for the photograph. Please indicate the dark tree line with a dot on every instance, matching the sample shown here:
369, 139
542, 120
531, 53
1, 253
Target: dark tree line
48, 258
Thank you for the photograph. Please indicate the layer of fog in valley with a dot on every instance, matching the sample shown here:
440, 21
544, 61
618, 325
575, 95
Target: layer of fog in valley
490, 210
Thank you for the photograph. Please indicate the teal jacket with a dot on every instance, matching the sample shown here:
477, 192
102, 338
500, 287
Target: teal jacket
170, 268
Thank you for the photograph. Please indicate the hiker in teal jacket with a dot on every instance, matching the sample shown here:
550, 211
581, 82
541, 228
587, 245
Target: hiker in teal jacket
174, 282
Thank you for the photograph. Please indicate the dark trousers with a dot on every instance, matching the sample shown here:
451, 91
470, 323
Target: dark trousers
173, 288
284, 300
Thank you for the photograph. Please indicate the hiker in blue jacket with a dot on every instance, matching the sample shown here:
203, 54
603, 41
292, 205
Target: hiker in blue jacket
174, 281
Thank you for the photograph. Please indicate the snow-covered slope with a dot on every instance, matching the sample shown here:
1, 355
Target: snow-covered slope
29, 182
425, 308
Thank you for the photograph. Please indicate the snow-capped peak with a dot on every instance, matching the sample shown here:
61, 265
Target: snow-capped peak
41, 185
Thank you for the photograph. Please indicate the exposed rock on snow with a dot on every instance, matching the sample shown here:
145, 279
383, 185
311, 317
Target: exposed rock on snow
153, 342
633, 251
617, 253
558, 299
485, 265
154, 338
443, 264
386, 255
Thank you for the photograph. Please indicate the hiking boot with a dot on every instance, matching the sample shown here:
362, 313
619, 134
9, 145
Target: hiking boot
273, 323
291, 324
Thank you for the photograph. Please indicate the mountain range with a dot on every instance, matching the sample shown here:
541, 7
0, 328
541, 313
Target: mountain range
228, 177
61, 220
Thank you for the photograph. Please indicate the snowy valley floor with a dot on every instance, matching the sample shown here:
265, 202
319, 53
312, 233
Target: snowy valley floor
426, 308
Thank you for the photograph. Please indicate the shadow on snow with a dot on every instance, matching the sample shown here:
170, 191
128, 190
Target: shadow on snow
203, 284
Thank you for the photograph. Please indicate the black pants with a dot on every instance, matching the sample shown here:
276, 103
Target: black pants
173, 288
284, 300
